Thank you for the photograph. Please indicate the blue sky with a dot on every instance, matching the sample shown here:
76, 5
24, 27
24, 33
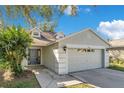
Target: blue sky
107, 21
91, 17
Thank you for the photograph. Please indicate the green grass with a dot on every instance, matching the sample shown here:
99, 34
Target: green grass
83, 85
26, 80
117, 66
31, 83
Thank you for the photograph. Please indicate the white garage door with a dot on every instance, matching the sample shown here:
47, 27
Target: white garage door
78, 61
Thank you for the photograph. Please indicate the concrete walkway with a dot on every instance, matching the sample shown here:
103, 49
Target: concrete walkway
49, 79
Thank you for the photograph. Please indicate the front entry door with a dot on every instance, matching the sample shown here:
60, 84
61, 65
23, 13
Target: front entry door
34, 56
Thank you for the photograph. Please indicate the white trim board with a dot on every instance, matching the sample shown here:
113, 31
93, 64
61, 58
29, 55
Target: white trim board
85, 46
35, 47
41, 57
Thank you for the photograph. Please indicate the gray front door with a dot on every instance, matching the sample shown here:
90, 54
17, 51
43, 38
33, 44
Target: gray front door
34, 56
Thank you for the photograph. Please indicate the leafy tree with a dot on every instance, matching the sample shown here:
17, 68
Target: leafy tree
13, 43
47, 26
44, 12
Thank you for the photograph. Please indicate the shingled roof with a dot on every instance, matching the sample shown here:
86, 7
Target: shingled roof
117, 43
44, 39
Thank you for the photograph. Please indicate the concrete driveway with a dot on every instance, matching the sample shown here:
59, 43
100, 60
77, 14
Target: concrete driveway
105, 78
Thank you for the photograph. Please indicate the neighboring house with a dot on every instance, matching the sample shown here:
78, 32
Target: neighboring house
79, 51
116, 51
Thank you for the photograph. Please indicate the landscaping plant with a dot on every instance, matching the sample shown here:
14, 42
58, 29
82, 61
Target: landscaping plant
13, 44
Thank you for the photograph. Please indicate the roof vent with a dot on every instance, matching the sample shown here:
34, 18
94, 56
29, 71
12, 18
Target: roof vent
60, 35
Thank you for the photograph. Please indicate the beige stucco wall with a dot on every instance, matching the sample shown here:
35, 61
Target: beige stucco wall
63, 63
85, 38
25, 60
50, 57
106, 58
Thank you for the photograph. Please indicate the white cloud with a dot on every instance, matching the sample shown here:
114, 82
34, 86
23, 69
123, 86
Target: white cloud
68, 10
113, 29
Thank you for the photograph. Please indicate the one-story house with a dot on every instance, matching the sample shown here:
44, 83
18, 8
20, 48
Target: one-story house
62, 54
116, 51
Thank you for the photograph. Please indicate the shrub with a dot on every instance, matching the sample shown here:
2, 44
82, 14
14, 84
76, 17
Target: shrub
14, 42
4, 65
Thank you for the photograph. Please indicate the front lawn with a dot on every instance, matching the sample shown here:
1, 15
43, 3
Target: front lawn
26, 80
83, 85
116, 66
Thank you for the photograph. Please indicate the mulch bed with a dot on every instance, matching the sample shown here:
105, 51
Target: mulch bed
25, 75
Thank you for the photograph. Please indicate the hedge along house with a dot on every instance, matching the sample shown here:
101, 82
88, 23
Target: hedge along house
79, 51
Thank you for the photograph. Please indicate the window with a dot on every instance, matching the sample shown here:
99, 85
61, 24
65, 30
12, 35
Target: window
81, 50
36, 34
90, 50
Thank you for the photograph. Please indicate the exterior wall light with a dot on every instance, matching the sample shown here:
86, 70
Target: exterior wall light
64, 48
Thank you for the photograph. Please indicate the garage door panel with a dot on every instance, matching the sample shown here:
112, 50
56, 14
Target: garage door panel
82, 61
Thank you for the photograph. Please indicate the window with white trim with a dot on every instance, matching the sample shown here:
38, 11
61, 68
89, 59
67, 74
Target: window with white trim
36, 34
